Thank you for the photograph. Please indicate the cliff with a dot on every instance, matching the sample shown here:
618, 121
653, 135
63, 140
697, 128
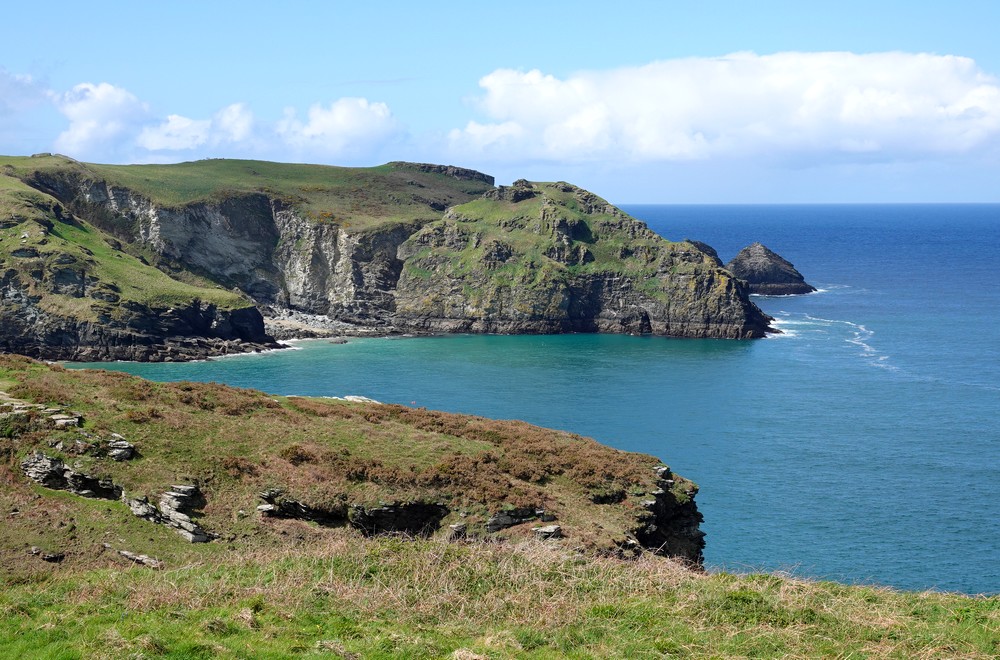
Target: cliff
552, 257
69, 292
404, 247
195, 459
768, 273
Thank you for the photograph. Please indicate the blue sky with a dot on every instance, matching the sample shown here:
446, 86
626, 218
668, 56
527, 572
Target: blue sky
691, 102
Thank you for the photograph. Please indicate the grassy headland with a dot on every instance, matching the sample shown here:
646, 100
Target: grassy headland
276, 587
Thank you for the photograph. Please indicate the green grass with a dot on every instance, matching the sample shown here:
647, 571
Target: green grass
389, 598
280, 588
357, 198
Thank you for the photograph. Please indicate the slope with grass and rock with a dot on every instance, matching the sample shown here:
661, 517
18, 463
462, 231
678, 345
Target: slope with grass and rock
148, 519
403, 247
208, 462
69, 291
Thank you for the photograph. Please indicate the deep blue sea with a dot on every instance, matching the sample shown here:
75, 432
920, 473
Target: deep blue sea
862, 445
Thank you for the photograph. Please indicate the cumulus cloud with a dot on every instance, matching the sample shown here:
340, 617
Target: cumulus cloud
232, 124
881, 106
348, 126
99, 115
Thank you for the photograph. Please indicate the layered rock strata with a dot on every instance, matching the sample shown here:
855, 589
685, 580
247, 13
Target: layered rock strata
527, 258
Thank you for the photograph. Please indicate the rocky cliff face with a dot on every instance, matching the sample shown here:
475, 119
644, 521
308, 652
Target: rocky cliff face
529, 258
540, 258
767, 273
32, 324
68, 292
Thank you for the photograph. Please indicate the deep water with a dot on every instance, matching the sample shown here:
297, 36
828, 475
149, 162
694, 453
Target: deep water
861, 445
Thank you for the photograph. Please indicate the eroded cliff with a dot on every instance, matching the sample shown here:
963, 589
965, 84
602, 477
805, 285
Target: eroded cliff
404, 248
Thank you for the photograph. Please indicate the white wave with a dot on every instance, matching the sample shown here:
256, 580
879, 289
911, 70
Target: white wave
286, 346
860, 338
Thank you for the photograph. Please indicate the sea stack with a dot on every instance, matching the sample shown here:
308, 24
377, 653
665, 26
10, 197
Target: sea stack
768, 273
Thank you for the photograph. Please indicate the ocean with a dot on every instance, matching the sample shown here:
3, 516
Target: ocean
860, 445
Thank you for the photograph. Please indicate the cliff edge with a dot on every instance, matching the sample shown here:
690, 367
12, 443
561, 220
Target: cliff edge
403, 247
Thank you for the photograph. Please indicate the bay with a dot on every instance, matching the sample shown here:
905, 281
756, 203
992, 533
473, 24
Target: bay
860, 445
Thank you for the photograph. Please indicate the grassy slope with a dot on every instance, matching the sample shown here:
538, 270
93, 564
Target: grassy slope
616, 243
275, 588
63, 243
356, 198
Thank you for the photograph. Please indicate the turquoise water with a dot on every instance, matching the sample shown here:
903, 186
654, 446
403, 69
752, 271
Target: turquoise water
860, 445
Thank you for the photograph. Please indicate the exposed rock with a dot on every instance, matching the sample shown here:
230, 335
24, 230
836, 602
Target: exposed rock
669, 524
547, 532
767, 273
53, 473
121, 450
505, 519
145, 560
128, 331
278, 505
176, 507
53, 557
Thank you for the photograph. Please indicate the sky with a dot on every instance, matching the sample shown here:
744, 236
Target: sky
714, 101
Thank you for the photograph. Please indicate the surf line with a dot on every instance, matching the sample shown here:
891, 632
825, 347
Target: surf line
859, 334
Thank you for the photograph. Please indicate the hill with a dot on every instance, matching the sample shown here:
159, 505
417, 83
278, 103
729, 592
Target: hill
403, 247
355, 529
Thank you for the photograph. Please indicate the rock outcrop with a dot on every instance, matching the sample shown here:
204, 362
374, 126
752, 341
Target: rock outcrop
176, 507
550, 258
767, 273
671, 522
30, 325
53, 473
408, 248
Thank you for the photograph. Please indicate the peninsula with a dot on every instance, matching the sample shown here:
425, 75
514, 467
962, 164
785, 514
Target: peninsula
173, 262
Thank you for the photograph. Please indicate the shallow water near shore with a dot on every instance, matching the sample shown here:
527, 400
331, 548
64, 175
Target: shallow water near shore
861, 444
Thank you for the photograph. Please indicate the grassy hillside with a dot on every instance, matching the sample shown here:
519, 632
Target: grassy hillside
549, 230
275, 588
357, 197
49, 249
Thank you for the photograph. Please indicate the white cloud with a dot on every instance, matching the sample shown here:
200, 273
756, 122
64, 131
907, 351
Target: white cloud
175, 133
99, 117
838, 105
348, 126
232, 124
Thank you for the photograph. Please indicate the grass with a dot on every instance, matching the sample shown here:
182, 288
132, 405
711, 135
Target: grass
357, 198
280, 588
385, 598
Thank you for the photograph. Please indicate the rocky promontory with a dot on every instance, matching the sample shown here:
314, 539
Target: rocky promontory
175, 262
767, 273
216, 464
